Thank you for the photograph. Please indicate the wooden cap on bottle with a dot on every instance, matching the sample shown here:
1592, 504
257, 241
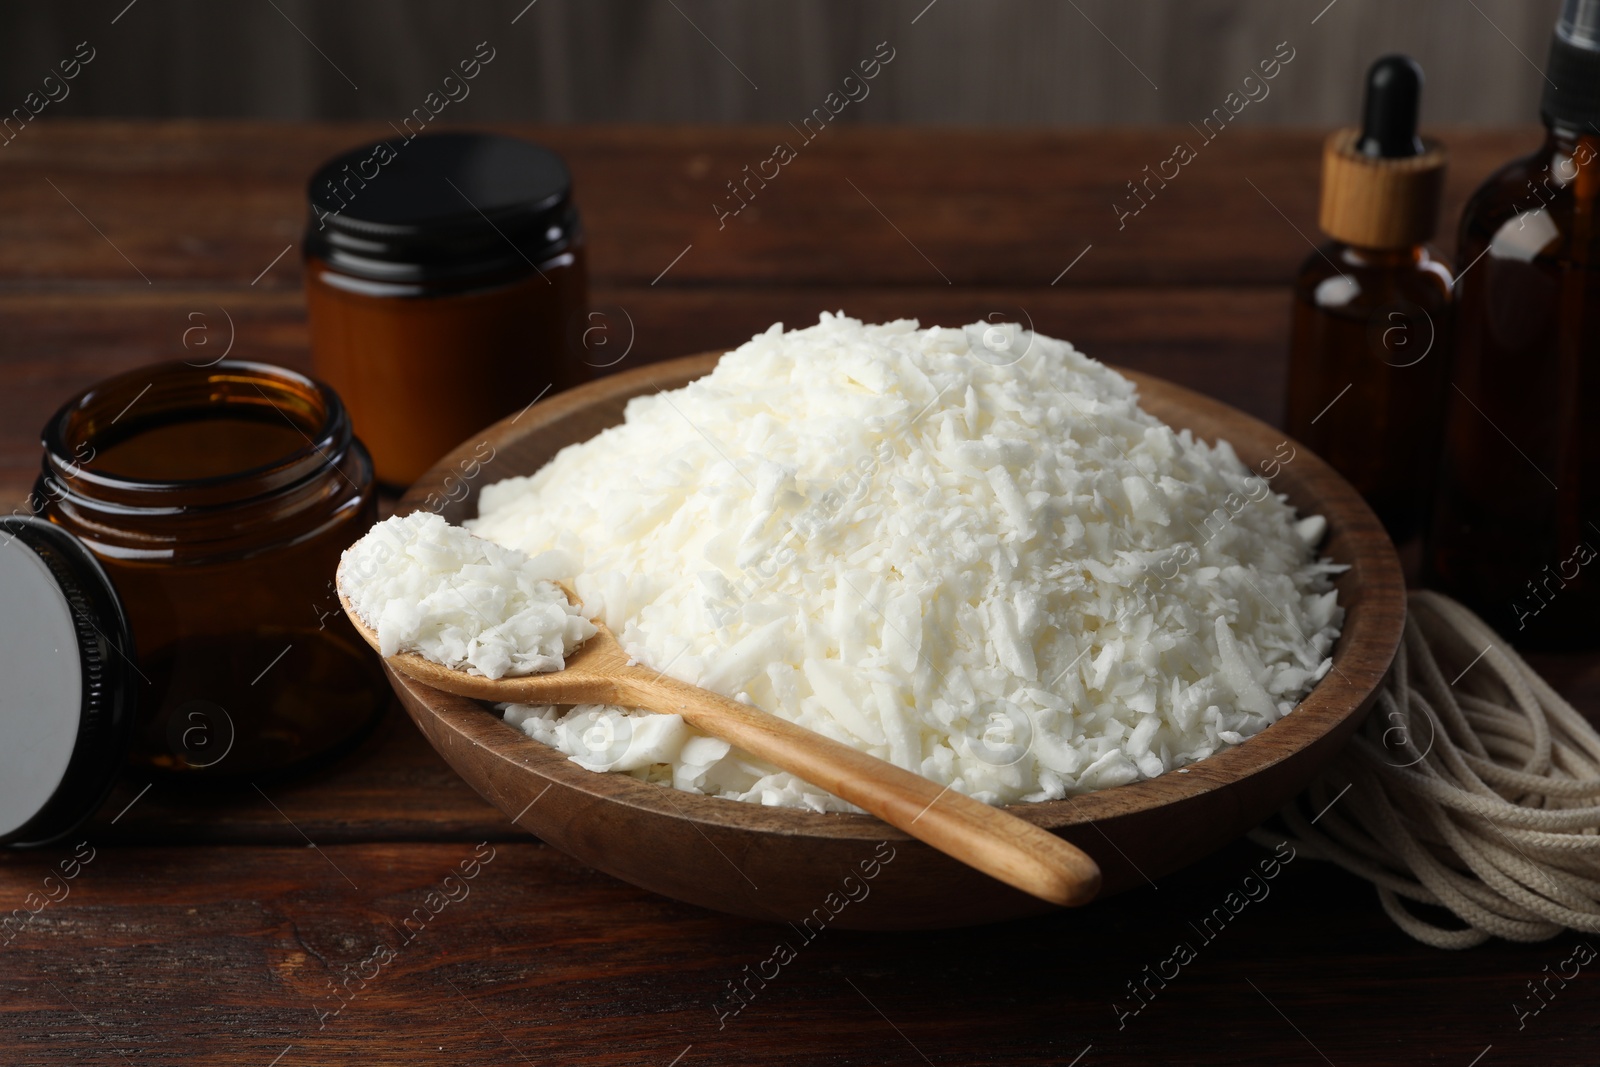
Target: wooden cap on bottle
1374, 202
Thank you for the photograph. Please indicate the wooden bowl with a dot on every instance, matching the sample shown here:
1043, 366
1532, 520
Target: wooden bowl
852, 870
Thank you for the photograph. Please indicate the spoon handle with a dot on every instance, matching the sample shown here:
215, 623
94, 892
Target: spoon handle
988, 838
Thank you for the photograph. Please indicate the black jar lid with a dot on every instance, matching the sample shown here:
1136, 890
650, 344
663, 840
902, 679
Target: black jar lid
68, 699
440, 206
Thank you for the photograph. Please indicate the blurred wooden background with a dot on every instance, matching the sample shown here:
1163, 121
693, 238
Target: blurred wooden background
956, 61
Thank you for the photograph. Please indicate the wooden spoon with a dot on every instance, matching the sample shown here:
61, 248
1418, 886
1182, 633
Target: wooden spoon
987, 838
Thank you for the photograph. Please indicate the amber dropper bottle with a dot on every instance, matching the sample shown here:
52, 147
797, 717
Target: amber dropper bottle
1368, 356
1517, 525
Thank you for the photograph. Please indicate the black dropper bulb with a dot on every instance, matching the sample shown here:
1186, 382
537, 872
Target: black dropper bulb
1394, 94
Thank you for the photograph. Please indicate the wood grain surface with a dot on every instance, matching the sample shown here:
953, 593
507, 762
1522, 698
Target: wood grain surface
191, 216
206, 929
184, 955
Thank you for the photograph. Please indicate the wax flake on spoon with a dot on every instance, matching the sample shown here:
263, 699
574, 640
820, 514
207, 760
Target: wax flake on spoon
428, 587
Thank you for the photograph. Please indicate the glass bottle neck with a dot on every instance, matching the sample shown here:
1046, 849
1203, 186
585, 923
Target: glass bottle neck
1383, 258
1569, 158
1563, 139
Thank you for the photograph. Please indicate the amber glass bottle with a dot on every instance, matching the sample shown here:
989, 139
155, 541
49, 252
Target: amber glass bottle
1515, 532
1372, 337
1368, 362
218, 500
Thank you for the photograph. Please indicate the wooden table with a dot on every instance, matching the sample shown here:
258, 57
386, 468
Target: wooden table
213, 929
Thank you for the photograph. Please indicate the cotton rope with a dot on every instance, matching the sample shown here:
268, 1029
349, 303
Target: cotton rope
1472, 787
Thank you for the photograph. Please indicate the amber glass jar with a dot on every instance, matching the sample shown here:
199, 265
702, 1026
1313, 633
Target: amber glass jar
445, 283
217, 500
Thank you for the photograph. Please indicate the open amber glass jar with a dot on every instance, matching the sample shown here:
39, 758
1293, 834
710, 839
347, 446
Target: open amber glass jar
218, 500
445, 286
